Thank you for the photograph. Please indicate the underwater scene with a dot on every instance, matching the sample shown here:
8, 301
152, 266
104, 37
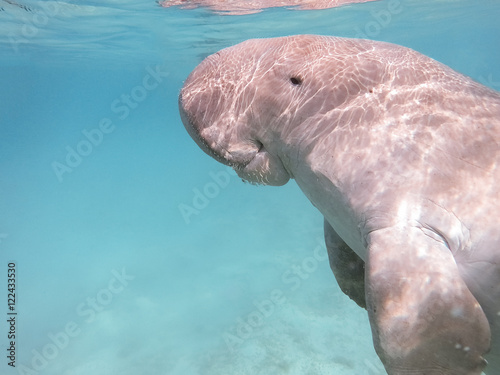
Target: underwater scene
124, 248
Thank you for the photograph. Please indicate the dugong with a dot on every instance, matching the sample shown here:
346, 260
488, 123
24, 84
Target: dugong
400, 154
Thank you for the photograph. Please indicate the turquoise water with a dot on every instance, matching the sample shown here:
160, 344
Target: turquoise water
136, 253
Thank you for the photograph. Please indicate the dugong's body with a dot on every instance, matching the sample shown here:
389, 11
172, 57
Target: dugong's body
401, 155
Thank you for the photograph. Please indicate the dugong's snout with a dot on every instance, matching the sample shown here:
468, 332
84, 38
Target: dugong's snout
211, 138
206, 115
250, 159
217, 111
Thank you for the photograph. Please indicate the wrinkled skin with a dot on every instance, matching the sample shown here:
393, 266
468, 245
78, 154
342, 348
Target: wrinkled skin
239, 7
400, 154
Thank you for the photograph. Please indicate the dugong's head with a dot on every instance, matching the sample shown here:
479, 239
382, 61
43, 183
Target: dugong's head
252, 106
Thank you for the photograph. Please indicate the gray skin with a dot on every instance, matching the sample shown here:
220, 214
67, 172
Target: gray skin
401, 155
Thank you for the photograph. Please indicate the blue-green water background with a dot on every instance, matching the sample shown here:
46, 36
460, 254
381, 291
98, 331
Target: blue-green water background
198, 283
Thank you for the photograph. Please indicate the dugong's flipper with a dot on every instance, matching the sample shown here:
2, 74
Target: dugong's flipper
424, 318
347, 266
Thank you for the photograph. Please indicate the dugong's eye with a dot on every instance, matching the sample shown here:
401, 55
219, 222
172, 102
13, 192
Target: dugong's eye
296, 81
